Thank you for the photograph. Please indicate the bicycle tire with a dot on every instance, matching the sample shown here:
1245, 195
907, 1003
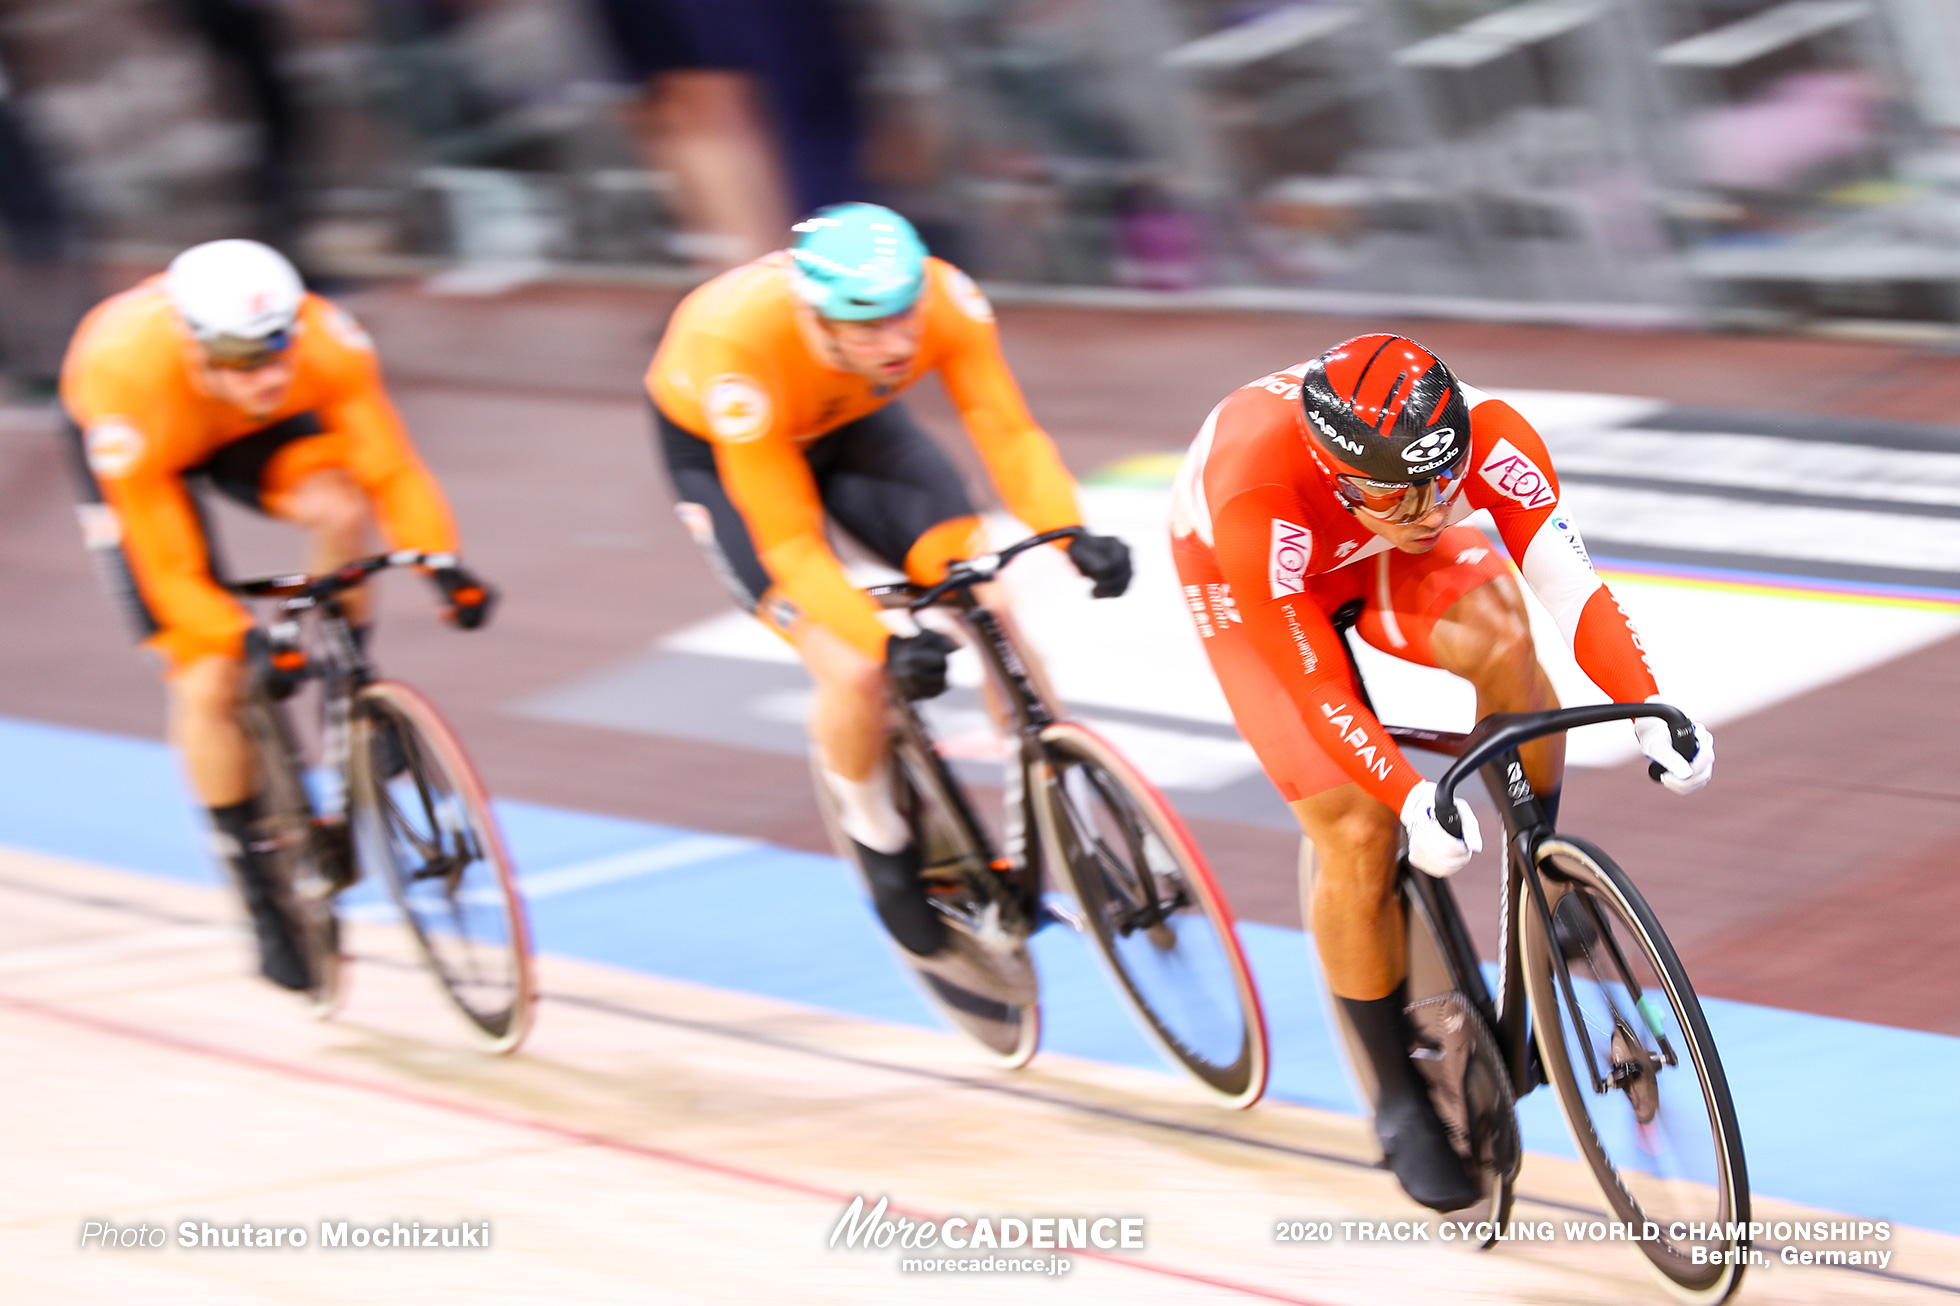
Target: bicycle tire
1159, 922
1696, 1180
427, 830
289, 846
953, 859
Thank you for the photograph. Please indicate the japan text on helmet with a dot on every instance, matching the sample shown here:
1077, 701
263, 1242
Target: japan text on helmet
1384, 414
239, 298
857, 262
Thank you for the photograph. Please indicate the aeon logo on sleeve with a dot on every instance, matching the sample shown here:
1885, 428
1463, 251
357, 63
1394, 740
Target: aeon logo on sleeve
1292, 548
1515, 476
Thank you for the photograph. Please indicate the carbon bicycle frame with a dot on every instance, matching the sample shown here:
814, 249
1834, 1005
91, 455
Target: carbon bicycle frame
1031, 713
1526, 829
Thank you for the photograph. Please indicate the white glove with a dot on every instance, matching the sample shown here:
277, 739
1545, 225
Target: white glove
1432, 849
1677, 772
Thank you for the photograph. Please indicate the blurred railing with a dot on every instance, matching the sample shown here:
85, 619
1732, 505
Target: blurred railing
1729, 159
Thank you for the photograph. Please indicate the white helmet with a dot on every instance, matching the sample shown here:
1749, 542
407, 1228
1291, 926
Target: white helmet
238, 297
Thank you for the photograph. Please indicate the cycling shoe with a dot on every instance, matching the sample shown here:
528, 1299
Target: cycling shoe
899, 896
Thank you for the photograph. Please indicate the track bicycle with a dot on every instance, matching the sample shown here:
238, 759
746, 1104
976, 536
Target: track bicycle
1591, 998
1080, 815
396, 798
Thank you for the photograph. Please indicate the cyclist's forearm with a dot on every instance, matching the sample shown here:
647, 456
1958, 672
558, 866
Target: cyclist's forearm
1027, 470
169, 563
810, 584
1597, 630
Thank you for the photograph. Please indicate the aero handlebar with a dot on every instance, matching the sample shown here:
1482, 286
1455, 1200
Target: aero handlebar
344, 577
1502, 731
975, 571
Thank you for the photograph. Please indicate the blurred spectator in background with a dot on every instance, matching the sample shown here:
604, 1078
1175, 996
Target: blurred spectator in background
247, 37
1800, 124
749, 105
43, 292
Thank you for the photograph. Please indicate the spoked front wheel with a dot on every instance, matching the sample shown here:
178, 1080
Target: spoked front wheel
293, 851
1636, 1072
1154, 912
423, 823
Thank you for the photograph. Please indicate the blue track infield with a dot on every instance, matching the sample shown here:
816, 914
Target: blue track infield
1835, 1114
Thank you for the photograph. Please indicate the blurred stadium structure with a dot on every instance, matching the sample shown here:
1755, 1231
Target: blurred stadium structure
1746, 162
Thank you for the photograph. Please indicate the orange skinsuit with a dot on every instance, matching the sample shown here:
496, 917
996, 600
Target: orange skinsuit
130, 384
736, 369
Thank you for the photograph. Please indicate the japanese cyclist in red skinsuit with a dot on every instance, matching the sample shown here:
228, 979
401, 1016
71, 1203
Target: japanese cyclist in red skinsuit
1344, 478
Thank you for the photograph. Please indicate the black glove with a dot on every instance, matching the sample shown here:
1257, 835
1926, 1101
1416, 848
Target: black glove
470, 600
278, 665
917, 663
1105, 560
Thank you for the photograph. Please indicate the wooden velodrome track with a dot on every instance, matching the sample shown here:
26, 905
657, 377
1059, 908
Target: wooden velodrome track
662, 1142
659, 1142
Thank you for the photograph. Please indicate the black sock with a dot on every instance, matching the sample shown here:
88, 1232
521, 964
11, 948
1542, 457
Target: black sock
1383, 1027
236, 819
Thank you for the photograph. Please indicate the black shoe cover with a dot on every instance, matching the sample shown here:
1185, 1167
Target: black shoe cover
1419, 1151
900, 898
281, 958
1413, 1138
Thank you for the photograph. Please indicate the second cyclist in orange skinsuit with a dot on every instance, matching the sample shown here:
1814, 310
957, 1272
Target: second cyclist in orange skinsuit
774, 392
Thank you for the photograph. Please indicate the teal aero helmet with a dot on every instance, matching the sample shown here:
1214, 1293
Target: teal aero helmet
856, 262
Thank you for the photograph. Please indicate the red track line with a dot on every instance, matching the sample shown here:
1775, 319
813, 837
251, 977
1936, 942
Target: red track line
292, 1070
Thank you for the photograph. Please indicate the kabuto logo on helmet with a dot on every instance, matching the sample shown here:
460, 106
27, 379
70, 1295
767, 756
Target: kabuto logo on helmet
1438, 446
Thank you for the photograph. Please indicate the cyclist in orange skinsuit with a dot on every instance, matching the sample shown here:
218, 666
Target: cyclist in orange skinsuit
224, 370
740, 369
774, 391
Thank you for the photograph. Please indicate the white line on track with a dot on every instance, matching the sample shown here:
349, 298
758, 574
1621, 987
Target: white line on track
631, 865
55, 956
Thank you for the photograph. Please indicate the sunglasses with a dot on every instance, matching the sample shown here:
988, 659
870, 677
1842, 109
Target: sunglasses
245, 354
1398, 503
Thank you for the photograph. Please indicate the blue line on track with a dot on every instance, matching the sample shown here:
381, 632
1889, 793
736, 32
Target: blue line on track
1836, 1114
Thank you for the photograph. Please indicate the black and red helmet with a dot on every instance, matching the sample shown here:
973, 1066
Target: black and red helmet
1382, 408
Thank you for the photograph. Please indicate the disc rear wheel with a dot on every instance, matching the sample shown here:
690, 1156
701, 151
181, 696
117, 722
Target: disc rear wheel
422, 822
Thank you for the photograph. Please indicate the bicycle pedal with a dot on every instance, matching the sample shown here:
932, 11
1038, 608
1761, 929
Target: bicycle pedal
1054, 909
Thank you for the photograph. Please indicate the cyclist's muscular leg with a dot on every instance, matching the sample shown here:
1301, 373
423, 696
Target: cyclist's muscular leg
1357, 915
1485, 637
204, 697
847, 725
204, 726
1358, 927
332, 509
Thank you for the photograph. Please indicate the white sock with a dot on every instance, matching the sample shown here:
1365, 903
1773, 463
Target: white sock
866, 812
